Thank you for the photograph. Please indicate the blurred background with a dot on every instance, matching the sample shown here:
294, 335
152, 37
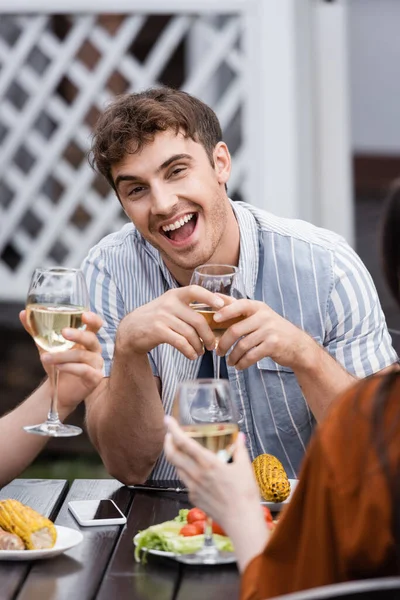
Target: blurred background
307, 94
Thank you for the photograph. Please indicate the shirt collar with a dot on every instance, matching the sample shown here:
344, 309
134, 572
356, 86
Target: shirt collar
171, 281
249, 247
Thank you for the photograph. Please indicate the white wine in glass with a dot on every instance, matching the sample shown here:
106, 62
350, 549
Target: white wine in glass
218, 328
218, 437
57, 298
221, 279
47, 321
206, 412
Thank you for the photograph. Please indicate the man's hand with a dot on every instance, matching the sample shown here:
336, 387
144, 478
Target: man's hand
170, 320
262, 333
80, 367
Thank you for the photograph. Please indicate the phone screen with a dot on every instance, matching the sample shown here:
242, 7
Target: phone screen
96, 510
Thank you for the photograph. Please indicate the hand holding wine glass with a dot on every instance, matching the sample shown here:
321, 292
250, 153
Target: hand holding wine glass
206, 413
221, 279
227, 492
57, 298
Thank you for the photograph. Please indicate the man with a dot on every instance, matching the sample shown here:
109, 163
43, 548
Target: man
312, 317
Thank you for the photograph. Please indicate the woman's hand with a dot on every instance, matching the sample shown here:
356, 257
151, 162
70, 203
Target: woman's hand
226, 492
81, 367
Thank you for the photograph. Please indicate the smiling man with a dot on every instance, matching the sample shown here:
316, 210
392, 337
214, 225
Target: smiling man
312, 320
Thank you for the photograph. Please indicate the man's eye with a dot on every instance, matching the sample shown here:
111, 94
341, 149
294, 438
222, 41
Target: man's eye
178, 170
136, 190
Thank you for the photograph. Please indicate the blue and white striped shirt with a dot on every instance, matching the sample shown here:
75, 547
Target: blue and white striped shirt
308, 275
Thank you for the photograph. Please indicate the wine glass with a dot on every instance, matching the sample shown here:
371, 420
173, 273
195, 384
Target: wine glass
215, 430
221, 279
57, 297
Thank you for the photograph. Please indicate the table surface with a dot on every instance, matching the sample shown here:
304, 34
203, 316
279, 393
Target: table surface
102, 566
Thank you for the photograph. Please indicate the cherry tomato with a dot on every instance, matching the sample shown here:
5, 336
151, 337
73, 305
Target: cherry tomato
188, 530
195, 514
199, 526
267, 514
216, 528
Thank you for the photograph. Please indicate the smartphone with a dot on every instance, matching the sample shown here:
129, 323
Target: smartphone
90, 513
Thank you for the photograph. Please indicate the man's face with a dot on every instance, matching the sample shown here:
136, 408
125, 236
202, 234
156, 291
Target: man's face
176, 198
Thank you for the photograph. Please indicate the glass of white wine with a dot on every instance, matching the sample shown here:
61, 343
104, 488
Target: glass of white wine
215, 430
57, 297
221, 279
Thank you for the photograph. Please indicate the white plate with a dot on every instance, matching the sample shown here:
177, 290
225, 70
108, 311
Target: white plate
165, 554
66, 538
275, 506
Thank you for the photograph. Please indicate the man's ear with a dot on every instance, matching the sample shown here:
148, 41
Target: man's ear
222, 162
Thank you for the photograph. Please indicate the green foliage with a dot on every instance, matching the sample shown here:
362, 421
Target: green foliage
66, 468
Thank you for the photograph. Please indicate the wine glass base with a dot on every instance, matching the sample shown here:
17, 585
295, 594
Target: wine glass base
203, 558
54, 430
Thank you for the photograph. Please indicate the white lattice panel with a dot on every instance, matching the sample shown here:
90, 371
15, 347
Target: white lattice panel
56, 74
274, 71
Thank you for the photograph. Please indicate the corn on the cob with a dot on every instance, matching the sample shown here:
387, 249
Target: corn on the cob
271, 478
35, 530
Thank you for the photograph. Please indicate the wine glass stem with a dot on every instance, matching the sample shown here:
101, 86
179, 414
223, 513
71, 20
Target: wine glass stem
52, 416
217, 364
208, 535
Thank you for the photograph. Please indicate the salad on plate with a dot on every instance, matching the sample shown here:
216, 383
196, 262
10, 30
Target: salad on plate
183, 535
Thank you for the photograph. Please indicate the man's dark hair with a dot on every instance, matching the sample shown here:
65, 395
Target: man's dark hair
132, 120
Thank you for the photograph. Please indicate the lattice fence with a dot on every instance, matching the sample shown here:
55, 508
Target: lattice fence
56, 74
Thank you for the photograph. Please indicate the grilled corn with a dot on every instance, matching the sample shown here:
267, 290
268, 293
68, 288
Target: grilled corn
271, 478
35, 530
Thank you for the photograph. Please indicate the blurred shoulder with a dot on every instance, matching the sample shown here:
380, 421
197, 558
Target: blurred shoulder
363, 392
354, 411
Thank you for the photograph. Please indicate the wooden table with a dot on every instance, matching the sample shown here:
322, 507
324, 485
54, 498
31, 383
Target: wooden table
103, 565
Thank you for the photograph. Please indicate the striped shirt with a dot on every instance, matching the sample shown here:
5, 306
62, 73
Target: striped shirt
308, 275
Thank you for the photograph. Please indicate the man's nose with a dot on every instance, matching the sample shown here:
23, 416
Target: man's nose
163, 203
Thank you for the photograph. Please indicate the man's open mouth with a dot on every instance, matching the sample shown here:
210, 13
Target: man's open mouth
181, 229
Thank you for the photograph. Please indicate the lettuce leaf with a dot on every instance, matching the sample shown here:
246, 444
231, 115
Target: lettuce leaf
186, 545
182, 515
156, 537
